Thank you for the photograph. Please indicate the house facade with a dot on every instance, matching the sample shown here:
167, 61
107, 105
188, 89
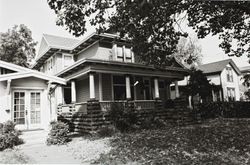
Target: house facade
103, 67
225, 75
25, 96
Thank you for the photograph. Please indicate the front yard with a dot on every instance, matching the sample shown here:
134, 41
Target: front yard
214, 142
219, 141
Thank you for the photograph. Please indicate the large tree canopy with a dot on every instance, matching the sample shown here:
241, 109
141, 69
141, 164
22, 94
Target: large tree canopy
153, 26
17, 46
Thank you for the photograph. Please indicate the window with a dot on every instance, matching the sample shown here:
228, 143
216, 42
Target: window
124, 54
49, 64
119, 86
229, 74
231, 94
67, 60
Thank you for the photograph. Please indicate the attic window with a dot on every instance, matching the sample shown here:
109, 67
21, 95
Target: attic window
229, 74
67, 60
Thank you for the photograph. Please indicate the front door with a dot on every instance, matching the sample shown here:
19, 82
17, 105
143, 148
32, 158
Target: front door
27, 109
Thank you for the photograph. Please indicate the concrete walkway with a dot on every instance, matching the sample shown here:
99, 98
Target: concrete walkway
36, 149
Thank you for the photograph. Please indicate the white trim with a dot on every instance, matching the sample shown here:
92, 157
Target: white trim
63, 59
32, 74
27, 88
100, 87
112, 87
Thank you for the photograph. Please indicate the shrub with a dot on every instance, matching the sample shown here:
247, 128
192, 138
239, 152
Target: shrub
123, 118
106, 131
58, 133
9, 136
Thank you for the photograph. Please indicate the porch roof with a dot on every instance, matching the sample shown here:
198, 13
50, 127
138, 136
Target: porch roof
84, 66
26, 74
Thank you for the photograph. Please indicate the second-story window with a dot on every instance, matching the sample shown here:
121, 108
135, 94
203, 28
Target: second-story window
124, 54
229, 74
67, 60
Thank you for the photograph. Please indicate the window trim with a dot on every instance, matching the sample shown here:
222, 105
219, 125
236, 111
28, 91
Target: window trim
63, 57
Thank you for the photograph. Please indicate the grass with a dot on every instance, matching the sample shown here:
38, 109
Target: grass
214, 142
13, 156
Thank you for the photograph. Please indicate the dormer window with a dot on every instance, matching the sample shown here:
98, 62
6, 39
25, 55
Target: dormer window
229, 74
124, 54
67, 60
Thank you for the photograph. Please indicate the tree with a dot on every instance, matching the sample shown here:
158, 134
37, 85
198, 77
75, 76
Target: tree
153, 26
17, 46
198, 84
189, 52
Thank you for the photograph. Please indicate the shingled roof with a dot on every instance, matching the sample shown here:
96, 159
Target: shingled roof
60, 42
218, 66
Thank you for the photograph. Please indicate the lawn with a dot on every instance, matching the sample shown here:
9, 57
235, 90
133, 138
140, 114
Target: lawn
219, 141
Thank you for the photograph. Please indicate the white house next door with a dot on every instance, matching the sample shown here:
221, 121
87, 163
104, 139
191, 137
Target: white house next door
27, 109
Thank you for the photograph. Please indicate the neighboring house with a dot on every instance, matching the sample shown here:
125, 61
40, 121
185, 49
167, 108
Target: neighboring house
24, 96
225, 75
103, 67
244, 70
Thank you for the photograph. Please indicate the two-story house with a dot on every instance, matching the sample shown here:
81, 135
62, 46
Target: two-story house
103, 67
225, 75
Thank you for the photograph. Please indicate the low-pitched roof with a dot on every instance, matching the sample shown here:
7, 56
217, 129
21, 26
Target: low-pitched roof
56, 43
218, 66
245, 69
21, 72
60, 42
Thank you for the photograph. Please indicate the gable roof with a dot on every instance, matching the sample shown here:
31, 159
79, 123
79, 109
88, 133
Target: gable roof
22, 72
218, 66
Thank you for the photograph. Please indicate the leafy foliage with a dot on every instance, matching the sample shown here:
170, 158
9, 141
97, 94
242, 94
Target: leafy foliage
123, 118
58, 133
198, 84
214, 142
106, 131
154, 26
9, 136
17, 46
224, 109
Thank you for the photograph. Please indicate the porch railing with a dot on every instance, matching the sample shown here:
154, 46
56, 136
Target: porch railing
104, 105
138, 104
72, 108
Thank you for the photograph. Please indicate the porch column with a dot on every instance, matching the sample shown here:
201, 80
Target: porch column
157, 94
114, 51
91, 86
59, 95
177, 95
73, 91
128, 89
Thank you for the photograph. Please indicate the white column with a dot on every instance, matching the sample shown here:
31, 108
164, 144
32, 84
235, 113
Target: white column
73, 91
59, 95
100, 87
157, 94
177, 95
114, 51
124, 54
91, 86
128, 89
8, 95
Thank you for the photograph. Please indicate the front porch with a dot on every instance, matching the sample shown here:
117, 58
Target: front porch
140, 91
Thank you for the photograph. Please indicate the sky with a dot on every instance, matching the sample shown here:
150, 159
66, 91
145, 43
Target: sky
40, 19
